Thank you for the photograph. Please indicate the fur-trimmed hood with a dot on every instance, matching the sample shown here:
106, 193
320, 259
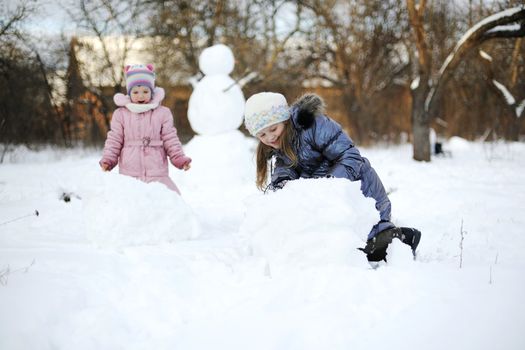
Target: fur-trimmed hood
306, 108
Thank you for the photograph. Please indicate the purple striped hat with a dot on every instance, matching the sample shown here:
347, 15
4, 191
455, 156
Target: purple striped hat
139, 74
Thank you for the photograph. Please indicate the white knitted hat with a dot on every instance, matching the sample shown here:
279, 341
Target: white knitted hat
264, 109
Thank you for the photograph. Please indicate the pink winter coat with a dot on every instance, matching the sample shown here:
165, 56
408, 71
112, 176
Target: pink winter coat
140, 142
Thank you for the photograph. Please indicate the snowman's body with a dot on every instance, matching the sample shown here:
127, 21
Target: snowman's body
222, 155
216, 105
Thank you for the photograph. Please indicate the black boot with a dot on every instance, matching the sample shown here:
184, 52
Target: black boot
375, 248
409, 236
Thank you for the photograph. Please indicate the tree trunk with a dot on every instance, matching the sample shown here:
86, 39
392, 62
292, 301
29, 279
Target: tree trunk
420, 116
421, 142
420, 125
4, 151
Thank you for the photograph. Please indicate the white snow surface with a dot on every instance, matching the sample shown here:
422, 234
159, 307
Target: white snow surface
128, 265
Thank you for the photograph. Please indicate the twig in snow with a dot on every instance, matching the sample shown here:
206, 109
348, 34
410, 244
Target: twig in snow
462, 233
35, 213
490, 271
4, 274
66, 196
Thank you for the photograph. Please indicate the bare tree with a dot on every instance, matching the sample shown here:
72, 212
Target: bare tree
260, 33
10, 20
248, 27
356, 47
426, 94
513, 103
12, 16
26, 109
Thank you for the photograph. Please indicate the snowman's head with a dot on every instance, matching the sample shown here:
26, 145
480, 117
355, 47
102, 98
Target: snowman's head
216, 59
139, 74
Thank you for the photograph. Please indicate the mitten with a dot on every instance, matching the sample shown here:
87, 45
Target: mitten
109, 165
276, 186
379, 227
181, 161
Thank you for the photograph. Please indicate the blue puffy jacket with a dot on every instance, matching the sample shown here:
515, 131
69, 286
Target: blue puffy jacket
324, 149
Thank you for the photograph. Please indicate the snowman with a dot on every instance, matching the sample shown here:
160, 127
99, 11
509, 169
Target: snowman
217, 102
221, 153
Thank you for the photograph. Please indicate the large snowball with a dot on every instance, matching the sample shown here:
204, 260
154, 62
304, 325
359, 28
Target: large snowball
217, 59
310, 223
122, 211
216, 105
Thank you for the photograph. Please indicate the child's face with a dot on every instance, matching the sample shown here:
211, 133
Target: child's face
140, 94
271, 136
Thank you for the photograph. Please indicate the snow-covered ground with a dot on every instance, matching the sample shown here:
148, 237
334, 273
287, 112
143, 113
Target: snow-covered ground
125, 265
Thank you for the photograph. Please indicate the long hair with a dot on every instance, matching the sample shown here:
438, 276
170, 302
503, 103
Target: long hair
264, 154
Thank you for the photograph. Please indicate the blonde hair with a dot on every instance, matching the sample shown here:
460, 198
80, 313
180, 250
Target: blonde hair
264, 154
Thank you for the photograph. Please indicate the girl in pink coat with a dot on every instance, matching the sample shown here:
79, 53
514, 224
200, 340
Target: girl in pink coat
142, 134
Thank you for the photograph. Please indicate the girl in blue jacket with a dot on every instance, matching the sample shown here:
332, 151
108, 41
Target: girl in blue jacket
308, 144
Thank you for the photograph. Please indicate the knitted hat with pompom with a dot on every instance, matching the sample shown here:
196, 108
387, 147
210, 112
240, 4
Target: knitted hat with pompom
139, 74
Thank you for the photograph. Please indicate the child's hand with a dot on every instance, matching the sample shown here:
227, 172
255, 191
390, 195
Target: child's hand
104, 166
182, 162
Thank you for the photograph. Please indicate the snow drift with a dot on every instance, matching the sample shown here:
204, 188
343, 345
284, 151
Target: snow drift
286, 227
122, 211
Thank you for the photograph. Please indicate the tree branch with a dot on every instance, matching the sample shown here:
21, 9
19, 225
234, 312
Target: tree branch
466, 45
415, 16
20, 13
505, 32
